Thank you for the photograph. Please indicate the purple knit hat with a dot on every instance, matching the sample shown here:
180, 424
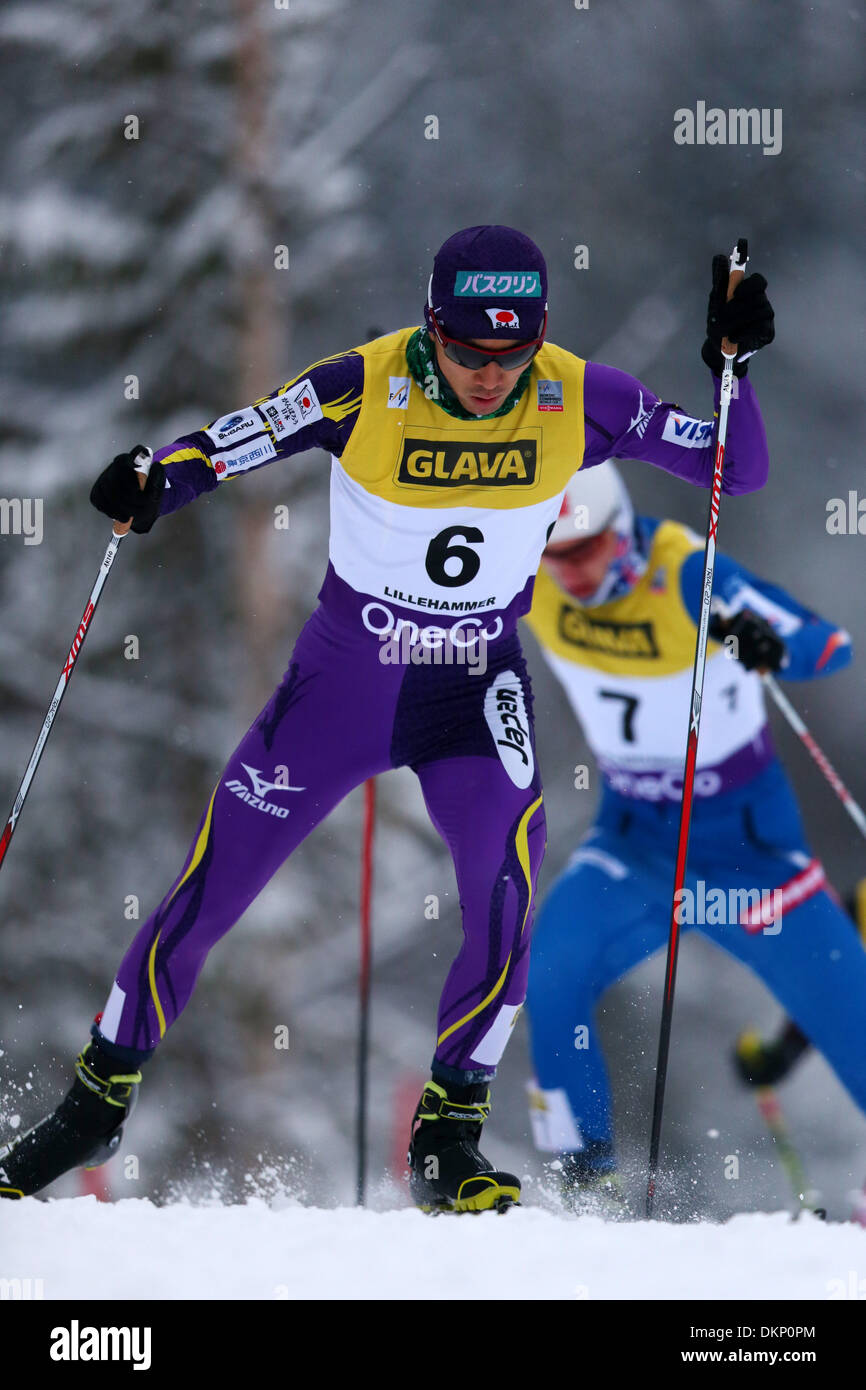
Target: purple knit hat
487, 282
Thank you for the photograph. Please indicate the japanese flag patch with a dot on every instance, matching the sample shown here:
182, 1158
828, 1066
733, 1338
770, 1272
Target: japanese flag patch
291, 411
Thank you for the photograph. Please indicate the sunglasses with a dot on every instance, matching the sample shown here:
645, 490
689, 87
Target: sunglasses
473, 358
576, 549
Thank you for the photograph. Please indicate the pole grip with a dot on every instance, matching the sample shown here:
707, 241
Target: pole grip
739, 257
144, 458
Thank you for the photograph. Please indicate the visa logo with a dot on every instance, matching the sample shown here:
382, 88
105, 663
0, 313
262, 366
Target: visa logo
688, 432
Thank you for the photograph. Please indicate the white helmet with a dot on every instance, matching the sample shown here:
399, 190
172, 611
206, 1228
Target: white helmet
595, 499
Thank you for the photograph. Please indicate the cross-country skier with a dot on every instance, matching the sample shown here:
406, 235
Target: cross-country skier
615, 610
452, 444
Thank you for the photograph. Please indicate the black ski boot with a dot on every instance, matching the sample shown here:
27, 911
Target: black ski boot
589, 1183
83, 1132
446, 1171
761, 1062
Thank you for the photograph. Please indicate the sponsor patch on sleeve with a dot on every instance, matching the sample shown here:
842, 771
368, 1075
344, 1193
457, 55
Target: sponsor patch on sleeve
238, 425
295, 408
245, 456
292, 410
687, 432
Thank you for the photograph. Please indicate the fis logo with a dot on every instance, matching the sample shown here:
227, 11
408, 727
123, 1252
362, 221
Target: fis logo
458, 463
687, 431
503, 318
398, 392
258, 799
550, 395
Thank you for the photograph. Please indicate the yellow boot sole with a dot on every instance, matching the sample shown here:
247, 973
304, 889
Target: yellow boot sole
478, 1194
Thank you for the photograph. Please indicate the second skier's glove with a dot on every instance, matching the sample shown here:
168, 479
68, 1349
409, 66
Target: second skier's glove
759, 646
746, 319
118, 493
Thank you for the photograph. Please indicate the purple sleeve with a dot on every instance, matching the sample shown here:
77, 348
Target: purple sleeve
625, 420
315, 410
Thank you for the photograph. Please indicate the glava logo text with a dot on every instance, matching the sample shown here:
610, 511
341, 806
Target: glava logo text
455, 464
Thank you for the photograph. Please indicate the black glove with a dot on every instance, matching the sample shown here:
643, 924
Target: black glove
118, 493
758, 644
746, 319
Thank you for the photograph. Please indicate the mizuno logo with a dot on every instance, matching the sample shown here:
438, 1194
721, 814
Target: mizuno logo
261, 787
258, 798
643, 417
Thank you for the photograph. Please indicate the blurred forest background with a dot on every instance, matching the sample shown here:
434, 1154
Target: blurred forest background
154, 157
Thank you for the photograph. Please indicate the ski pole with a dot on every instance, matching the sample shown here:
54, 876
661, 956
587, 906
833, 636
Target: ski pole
855, 811
119, 530
364, 985
771, 1110
739, 257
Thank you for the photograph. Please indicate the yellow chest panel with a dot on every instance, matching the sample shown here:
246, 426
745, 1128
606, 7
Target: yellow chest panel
404, 448
646, 633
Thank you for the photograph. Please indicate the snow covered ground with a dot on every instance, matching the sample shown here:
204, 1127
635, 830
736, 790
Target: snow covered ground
280, 1249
